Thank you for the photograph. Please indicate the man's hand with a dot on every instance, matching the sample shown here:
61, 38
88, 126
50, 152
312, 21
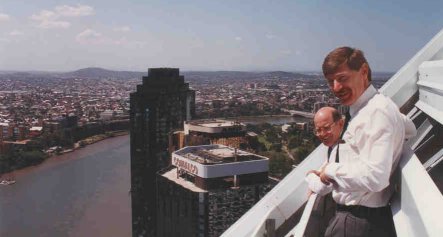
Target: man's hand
324, 178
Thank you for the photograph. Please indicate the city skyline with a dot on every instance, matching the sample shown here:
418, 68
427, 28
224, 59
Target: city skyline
209, 36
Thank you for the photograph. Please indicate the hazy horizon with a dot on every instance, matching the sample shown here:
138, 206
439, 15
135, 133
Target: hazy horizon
181, 71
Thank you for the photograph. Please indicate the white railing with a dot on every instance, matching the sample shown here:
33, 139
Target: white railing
281, 202
417, 207
300, 228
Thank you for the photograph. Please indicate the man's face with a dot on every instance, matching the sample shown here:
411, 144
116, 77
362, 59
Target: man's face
348, 85
327, 130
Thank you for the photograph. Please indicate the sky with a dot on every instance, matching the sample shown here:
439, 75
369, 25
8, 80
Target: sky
257, 35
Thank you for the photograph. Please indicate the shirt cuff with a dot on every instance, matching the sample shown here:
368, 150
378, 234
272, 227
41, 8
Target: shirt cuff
316, 186
331, 170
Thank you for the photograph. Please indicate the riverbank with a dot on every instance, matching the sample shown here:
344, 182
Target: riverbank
92, 140
56, 156
99, 137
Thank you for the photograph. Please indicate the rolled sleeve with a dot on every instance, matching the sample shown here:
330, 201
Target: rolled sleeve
331, 170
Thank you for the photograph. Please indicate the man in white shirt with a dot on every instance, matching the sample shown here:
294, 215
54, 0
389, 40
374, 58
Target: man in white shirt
328, 124
374, 139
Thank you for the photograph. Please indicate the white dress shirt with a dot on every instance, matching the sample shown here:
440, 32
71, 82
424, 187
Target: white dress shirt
374, 141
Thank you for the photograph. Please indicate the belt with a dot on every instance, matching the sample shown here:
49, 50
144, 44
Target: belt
362, 211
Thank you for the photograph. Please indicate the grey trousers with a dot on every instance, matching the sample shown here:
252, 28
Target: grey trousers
349, 224
322, 213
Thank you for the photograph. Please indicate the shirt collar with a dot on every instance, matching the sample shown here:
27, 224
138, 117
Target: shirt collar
362, 100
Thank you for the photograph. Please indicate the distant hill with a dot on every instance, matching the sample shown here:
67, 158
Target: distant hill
94, 72
286, 75
219, 74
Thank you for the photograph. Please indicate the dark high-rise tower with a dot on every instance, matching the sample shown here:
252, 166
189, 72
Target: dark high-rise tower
161, 104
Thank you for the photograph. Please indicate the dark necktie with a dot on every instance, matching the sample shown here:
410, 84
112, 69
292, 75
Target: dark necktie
337, 156
345, 126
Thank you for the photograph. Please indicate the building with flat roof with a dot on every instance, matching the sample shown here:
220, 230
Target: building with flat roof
207, 188
215, 127
218, 166
209, 131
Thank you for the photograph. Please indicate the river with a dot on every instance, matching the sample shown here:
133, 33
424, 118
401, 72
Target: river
82, 193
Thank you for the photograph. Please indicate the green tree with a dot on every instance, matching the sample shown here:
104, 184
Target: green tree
294, 141
301, 152
277, 146
279, 163
4, 164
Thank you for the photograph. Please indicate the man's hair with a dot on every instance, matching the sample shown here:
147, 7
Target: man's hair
336, 115
353, 58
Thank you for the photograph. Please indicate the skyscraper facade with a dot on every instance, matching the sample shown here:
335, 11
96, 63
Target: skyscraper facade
160, 105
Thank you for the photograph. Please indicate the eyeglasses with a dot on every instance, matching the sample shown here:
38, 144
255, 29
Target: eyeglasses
325, 129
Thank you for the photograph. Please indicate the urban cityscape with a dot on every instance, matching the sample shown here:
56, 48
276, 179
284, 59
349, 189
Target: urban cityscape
264, 114
34, 105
